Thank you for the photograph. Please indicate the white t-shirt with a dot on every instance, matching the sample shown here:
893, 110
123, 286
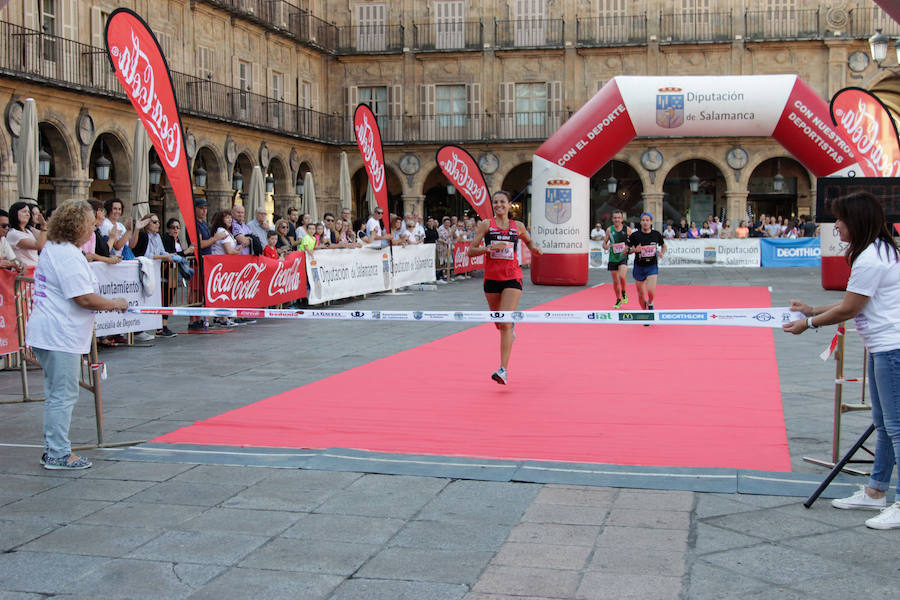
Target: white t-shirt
56, 321
878, 277
218, 247
373, 228
401, 235
29, 258
598, 234
106, 227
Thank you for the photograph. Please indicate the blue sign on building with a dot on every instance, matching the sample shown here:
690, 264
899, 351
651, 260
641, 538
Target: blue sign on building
800, 252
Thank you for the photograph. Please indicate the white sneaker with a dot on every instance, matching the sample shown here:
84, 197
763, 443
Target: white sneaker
860, 500
499, 376
889, 518
143, 336
441, 282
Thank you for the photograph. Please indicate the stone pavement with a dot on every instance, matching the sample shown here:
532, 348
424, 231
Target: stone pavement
161, 530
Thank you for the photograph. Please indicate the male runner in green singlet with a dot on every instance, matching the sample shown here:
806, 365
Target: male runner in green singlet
615, 242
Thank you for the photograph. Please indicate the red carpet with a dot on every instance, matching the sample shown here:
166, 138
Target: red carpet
668, 395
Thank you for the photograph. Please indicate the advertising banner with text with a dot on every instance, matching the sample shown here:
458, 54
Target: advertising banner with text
462, 262
9, 339
412, 264
344, 273
254, 281
695, 253
801, 252
123, 280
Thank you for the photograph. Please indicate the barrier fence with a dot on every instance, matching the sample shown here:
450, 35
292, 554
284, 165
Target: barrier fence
713, 252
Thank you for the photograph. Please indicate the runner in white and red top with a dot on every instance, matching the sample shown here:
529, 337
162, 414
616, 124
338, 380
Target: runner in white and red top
502, 273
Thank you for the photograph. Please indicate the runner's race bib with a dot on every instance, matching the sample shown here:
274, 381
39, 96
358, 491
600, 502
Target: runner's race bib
619, 248
648, 251
504, 253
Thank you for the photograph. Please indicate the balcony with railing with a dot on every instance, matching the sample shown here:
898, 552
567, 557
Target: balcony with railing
695, 27
435, 129
615, 30
783, 24
448, 36
529, 33
295, 21
865, 20
369, 39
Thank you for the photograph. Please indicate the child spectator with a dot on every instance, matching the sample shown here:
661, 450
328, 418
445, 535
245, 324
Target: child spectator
270, 250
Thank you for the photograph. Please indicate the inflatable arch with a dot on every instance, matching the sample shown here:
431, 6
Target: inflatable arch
783, 107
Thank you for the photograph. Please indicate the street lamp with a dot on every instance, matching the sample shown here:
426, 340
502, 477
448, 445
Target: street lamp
43, 163
155, 173
103, 165
612, 182
694, 181
878, 47
237, 181
299, 187
778, 180
200, 176
270, 183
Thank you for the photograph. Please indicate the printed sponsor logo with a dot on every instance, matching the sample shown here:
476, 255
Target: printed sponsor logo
763, 317
251, 313
798, 252
518, 315
670, 108
286, 280
394, 316
497, 315
431, 316
682, 316
726, 317
371, 153
222, 312
457, 168
376, 314
417, 315
599, 316
357, 314
868, 126
558, 201
326, 314
459, 316
636, 316
233, 286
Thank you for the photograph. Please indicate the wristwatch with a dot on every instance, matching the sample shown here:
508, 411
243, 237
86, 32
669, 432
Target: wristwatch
809, 323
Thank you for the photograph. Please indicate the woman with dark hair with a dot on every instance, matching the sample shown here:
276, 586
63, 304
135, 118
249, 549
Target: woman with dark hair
26, 235
222, 221
502, 273
872, 300
62, 323
116, 233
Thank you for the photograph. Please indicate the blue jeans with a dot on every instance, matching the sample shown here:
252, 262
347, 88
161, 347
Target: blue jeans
884, 388
61, 373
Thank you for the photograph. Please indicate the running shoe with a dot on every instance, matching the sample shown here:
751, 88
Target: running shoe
165, 332
195, 326
619, 303
499, 376
624, 298
889, 518
143, 336
67, 462
860, 500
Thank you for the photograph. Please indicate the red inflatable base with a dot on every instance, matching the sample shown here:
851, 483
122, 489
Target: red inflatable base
559, 269
835, 273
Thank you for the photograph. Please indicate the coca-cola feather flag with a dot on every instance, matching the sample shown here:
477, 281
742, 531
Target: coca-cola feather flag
368, 139
142, 70
866, 124
462, 171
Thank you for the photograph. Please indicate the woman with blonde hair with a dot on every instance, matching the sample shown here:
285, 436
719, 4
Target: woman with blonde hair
61, 324
283, 245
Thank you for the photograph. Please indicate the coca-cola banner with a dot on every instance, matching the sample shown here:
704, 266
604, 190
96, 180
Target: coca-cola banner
9, 340
368, 139
462, 262
865, 122
141, 68
254, 282
344, 273
462, 171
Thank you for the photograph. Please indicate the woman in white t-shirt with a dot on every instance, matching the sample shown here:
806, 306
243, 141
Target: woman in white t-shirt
116, 233
26, 235
61, 324
222, 222
872, 300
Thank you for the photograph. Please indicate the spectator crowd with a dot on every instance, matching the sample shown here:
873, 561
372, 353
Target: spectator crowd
767, 226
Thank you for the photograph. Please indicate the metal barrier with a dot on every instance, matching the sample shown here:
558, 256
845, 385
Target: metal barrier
840, 407
176, 289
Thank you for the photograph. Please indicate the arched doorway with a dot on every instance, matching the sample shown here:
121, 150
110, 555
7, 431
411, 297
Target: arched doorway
518, 183
54, 144
240, 175
616, 186
775, 187
694, 190
109, 151
359, 186
441, 198
277, 201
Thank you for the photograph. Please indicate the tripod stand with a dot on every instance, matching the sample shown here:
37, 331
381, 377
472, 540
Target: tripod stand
840, 465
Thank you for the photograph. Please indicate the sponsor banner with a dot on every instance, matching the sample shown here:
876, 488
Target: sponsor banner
348, 272
801, 252
254, 281
695, 253
412, 264
123, 280
560, 207
462, 262
9, 338
524, 254
368, 139
732, 317
830, 241
865, 122
141, 68
462, 171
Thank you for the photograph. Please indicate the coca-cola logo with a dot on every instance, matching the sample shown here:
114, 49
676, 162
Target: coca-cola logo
286, 279
138, 77
233, 286
867, 126
457, 171
371, 152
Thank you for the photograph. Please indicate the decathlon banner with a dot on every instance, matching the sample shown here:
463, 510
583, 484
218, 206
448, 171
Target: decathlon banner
141, 68
801, 252
123, 280
348, 272
235, 280
731, 317
462, 262
412, 264
867, 124
462, 171
368, 139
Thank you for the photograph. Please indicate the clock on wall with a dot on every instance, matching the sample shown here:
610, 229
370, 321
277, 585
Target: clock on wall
489, 163
409, 164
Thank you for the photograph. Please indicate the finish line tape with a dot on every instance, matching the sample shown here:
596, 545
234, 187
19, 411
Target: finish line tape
733, 317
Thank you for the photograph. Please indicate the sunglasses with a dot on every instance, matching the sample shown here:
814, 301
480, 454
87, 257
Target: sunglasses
4, 226
154, 222
329, 220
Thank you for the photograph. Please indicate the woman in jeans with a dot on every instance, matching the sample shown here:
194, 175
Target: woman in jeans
872, 300
61, 324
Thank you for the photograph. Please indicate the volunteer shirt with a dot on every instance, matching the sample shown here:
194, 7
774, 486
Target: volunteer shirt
876, 274
646, 257
56, 321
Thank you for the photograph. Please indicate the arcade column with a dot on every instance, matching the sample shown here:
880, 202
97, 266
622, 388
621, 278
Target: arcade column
414, 204
67, 188
653, 204
736, 206
8, 192
284, 201
217, 199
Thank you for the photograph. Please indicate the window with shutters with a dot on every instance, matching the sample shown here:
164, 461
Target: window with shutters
276, 95
611, 19
371, 27
245, 77
48, 15
529, 27
305, 94
612, 8
531, 104
377, 99
694, 19
450, 105
205, 62
449, 24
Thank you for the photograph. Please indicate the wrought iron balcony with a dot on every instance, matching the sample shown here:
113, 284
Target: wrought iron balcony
448, 36
865, 20
529, 33
369, 39
694, 27
618, 30
783, 24
286, 18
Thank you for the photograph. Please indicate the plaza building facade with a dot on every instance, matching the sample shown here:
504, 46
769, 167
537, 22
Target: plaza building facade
274, 83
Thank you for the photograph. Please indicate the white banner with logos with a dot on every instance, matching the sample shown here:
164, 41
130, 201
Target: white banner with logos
347, 272
123, 280
695, 253
413, 264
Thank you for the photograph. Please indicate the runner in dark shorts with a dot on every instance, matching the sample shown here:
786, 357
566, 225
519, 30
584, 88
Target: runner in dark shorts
617, 243
502, 273
647, 245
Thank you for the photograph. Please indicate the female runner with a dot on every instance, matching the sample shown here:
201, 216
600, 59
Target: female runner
502, 273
